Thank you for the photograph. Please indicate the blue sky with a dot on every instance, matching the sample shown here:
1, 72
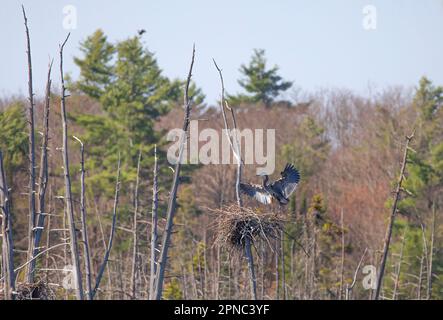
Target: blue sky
317, 44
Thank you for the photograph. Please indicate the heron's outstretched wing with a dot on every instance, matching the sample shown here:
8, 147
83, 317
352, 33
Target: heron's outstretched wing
257, 192
287, 184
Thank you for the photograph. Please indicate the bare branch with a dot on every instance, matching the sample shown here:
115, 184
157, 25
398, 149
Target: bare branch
75, 256
43, 178
85, 238
173, 194
111, 236
154, 223
7, 242
135, 264
388, 236
31, 146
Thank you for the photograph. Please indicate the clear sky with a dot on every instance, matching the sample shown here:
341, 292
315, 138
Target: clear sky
317, 44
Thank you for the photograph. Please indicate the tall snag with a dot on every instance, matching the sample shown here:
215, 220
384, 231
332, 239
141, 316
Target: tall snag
31, 146
135, 257
111, 236
154, 222
166, 241
75, 256
235, 146
388, 236
7, 244
85, 238
42, 180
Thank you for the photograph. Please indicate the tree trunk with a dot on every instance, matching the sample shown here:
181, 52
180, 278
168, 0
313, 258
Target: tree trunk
85, 238
154, 222
397, 275
42, 181
111, 236
31, 146
68, 194
388, 236
252, 279
7, 243
166, 241
431, 254
135, 264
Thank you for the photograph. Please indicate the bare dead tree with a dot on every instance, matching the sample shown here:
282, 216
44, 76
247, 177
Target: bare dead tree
282, 253
103, 241
354, 280
48, 234
293, 269
262, 270
342, 267
277, 272
111, 236
252, 277
431, 255
7, 242
154, 223
387, 241
400, 261
85, 238
235, 146
420, 275
42, 180
75, 256
173, 194
31, 146
135, 263
233, 143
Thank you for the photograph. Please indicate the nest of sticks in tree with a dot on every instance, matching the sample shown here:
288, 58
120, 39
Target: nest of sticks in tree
34, 291
234, 225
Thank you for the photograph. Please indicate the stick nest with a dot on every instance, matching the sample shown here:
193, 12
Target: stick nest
234, 225
34, 291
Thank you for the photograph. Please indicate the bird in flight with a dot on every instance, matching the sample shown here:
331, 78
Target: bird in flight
141, 31
279, 190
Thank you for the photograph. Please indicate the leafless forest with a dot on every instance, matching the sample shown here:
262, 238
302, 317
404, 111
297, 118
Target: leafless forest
91, 208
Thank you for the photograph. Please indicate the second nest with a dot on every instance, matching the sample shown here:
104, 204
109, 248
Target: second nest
233, 225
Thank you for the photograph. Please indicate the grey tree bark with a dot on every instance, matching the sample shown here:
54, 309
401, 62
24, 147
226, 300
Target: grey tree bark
75, 256
431, 254
154, 223
31, 146
42, 180
135, 264
85, 238
7, 242
111, 236
235, 146
387, 241
173, 194
400, 261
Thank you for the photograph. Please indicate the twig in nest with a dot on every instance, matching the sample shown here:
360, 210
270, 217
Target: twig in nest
233, 225
34, 291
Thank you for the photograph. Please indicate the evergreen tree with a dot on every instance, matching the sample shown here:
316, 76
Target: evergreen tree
13, 137
261, 84
95, 68
127, 81
424, 183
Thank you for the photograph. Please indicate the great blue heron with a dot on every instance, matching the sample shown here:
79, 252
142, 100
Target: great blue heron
279, 190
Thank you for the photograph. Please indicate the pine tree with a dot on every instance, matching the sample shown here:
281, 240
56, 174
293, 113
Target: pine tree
13, 137
424, 183
133, 92
261, 84
95, 68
